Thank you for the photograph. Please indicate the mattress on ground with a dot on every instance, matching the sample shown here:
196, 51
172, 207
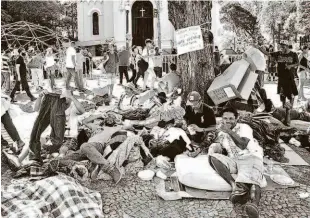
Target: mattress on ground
197, 173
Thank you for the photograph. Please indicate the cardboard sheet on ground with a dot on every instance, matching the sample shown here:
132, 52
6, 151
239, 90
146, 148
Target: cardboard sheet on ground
172, 189
294, 158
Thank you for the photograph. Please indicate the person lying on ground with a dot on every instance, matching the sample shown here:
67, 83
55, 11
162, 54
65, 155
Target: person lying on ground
244, 158
55, 110
164, 112
199, 117
131, 100
109, 156
281, 114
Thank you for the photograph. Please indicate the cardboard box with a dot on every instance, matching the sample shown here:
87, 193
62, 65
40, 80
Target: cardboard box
236, 82
256, 59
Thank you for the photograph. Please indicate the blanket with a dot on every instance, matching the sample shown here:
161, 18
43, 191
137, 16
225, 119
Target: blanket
58, 196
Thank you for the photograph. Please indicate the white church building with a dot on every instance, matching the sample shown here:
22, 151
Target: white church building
101, 20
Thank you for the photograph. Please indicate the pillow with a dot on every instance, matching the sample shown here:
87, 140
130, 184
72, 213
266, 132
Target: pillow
197, 173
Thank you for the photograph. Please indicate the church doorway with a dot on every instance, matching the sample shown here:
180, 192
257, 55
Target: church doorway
142, 22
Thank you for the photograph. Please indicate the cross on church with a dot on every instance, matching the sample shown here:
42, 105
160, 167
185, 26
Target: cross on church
142, 11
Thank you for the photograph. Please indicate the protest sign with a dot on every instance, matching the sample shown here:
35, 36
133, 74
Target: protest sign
189, 39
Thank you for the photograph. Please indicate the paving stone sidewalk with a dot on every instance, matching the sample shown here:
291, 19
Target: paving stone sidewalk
133, 198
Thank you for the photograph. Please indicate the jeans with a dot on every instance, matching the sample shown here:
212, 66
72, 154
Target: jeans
123, 70
52, 112
71, 72
134, 73
17, 87
37, 77
92, 151
80, 77
5, 83
10, 127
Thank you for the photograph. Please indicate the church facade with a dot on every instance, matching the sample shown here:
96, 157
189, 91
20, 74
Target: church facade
125, 21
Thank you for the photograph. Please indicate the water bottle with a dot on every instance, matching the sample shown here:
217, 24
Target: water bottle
270, 166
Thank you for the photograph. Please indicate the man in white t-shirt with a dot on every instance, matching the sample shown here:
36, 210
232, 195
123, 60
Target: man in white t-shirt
70, 65
244, 158
170, 81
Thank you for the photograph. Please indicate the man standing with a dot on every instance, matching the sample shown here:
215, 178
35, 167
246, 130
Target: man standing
70, 65
147, 54
124, 56
244, 158
80, 59
36, 67
287, 61
158, 63
217, 61
5, 71
21, 76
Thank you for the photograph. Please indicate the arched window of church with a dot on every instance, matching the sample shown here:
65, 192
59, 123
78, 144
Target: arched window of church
95, 23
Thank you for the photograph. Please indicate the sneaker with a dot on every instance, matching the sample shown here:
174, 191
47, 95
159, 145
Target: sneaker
13, 161
115, 174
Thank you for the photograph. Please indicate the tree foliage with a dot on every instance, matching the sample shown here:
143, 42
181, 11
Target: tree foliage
45, 13
240, 20
241, 27
52, 14
304, 16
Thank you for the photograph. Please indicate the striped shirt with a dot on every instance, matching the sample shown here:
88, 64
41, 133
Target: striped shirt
5, 64
5, 135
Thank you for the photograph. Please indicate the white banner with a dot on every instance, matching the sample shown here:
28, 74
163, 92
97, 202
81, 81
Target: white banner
189, 39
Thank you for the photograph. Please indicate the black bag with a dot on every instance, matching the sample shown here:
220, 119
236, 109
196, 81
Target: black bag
143, 65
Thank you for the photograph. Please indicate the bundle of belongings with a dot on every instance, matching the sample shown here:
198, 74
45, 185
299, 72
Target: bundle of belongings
57, 196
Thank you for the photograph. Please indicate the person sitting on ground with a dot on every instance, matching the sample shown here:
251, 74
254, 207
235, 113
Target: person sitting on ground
56, 110
170, 81
199, 117
245, 158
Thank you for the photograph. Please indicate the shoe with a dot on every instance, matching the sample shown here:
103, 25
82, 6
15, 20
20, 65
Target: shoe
115, 174
240, 197
20, 146
33, 98
13, 161
94, 171
251, 210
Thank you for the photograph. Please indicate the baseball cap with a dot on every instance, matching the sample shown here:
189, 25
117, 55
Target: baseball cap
193, 97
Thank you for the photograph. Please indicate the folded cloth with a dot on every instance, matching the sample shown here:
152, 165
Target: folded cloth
137, 114
58, 196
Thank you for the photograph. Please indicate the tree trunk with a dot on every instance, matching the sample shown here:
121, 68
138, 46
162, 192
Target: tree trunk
196, 68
